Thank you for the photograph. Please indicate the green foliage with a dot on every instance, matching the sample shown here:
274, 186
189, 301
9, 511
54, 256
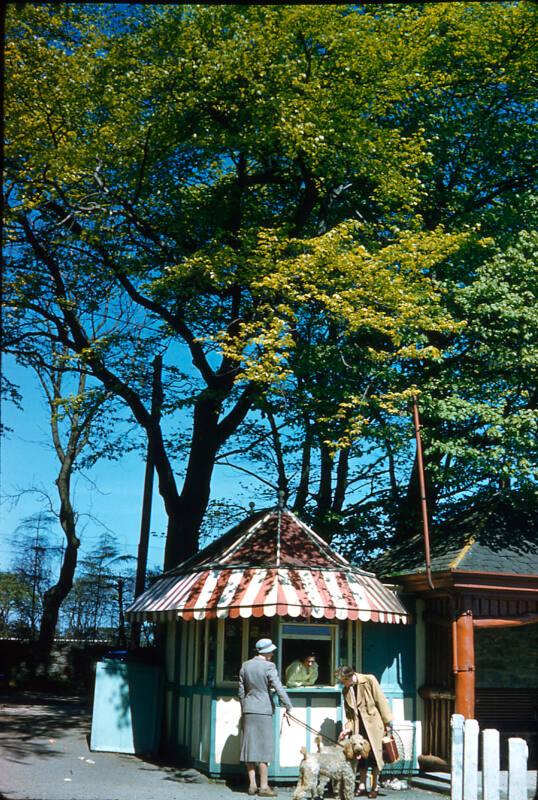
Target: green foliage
33, 562
297, 200
15, 598
180, 157
489, 410
91, 610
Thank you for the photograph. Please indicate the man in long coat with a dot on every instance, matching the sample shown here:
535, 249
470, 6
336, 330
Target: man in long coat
368, 713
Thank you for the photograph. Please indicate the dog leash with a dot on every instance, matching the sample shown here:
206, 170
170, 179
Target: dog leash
289, 716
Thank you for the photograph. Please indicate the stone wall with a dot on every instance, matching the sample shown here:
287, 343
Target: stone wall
507, 657
72, 665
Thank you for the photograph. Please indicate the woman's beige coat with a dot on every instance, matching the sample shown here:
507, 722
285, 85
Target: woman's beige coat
365, 700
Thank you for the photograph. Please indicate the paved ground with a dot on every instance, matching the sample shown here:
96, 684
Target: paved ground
44, 755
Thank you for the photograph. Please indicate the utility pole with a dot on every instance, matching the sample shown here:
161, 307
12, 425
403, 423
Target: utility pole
121, 616
423, 501
36, 573
143, 544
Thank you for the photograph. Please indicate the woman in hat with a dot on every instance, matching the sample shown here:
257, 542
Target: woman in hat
257, 679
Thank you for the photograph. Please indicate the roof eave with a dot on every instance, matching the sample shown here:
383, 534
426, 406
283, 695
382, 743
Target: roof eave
460, 580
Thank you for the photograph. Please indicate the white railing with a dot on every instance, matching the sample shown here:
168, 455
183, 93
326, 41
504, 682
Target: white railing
464, 762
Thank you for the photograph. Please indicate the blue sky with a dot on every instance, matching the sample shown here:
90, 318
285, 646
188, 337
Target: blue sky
110, 494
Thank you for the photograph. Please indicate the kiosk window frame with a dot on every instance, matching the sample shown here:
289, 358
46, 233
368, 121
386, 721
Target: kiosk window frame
222, 644
309, 634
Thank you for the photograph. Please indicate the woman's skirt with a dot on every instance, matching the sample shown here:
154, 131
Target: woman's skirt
257, 743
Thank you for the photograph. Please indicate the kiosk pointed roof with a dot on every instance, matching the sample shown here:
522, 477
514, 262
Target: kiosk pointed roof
271, 563
270, 538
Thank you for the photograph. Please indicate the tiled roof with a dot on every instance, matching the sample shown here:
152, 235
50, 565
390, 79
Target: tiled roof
495, 533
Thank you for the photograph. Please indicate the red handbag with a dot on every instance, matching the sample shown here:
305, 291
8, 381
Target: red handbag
390, 750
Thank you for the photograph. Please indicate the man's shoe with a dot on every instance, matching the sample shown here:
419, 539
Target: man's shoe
252, 790
267, 792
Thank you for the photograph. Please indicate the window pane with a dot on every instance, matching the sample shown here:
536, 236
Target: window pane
199, 672
307, 631
294, 649
233, 630
258, 629
300, 641
211, 652
346, 646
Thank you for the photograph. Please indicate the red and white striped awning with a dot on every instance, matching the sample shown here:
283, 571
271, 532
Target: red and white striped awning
277, 566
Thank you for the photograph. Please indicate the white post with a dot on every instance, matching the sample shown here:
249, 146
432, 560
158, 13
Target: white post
418, 743
490, 764
420, 673
456, 757
518, 753
470, 760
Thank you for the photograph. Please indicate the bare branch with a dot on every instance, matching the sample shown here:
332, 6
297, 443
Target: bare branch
252, 474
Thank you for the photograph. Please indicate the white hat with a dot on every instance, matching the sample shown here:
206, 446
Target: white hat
265, 646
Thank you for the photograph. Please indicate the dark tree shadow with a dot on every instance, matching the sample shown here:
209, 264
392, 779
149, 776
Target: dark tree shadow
32, 724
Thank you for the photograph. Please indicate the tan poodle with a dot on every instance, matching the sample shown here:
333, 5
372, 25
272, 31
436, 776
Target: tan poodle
337, 764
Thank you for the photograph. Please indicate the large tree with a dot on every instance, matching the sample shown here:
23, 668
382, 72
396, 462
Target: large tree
270, 196
469, 95
33, 565
76, 422
186, 171
83, 426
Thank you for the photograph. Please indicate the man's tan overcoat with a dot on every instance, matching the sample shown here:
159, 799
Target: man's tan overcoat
365, 700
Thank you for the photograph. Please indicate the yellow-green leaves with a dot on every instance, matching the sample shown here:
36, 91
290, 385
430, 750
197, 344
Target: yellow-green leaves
386, 295
279, 187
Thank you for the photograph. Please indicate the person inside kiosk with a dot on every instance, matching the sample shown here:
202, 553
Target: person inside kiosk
302, 672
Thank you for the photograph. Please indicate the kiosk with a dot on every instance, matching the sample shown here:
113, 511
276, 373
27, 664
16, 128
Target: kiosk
273, 576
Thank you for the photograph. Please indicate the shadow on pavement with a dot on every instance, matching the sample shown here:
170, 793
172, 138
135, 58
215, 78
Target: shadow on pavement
31, 723
182, 773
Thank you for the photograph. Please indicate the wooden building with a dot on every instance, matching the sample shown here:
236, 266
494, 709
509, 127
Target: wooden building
274, 576
480, 652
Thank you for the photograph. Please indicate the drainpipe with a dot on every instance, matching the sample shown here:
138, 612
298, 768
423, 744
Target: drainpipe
463, 663
423, 504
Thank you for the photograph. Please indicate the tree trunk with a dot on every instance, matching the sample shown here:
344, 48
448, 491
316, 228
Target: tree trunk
210, 431
54, 597
304, 480
122, 638
147, 498
186, 512
324, 504
342, 472
283, 485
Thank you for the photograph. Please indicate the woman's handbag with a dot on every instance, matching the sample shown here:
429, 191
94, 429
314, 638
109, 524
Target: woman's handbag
390, 750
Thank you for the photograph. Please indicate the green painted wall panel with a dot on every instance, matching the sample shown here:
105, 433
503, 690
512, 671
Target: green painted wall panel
388, 652
127, 708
